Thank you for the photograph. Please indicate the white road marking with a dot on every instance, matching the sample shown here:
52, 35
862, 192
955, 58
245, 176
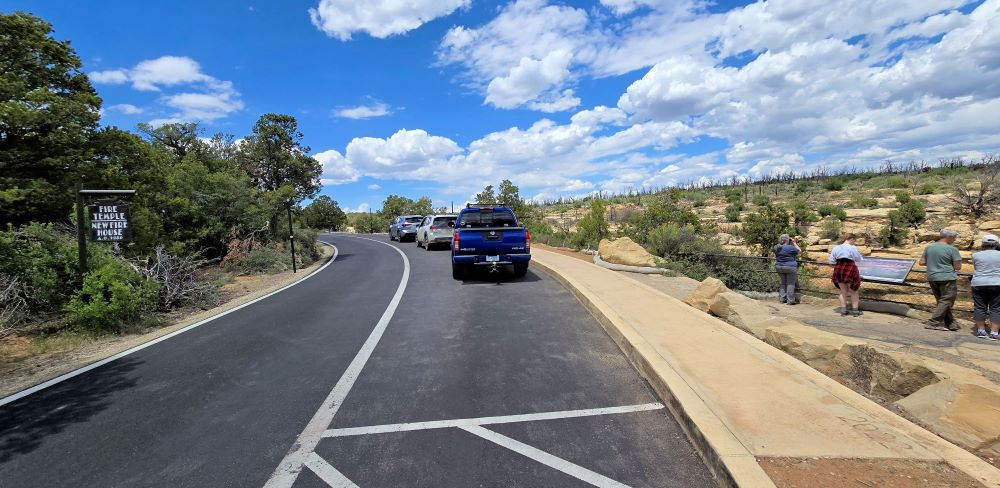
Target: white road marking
574, 470
286, 473
94, 365
505, 419
328, 473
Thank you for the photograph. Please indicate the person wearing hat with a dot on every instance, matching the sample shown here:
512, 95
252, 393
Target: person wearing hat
986, 288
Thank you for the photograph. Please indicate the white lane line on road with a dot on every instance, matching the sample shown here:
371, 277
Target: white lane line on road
574, 470
286, 473
504, 419
77, 372
328, 473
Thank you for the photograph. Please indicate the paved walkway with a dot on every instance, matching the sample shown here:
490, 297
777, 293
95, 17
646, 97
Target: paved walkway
747, 399
891, 331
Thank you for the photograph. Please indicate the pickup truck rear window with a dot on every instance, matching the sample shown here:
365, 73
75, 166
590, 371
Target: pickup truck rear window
487, 218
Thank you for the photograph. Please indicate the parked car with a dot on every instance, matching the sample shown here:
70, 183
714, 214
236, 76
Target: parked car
488, 237
404, 227
436, 230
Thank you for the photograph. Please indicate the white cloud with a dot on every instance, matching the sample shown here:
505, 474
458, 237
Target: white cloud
362, 208
532, 79
336, 169
407, 154
374, 109
378, 18
109, 77
205, 98
126, 108
374, 186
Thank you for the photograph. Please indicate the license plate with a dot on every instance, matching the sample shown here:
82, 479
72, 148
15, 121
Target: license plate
492, 259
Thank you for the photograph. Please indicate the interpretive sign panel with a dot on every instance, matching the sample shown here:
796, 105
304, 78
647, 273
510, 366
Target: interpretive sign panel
886, 270
109, 222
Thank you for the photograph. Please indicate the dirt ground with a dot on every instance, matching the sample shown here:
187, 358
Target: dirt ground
859, 473
25, 365
567, 252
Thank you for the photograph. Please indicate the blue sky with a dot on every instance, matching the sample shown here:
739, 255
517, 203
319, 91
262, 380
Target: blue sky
441, 97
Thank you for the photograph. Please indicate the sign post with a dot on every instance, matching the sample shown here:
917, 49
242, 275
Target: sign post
109, 221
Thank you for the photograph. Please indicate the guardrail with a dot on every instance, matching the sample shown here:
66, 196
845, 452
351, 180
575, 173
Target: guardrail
914, 292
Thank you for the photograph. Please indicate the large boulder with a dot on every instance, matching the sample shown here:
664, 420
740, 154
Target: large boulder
812, 346
990, 225
962, 411
625, 251
704, 294
741, 311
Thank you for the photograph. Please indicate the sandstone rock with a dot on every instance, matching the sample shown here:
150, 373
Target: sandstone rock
813, 240
818, 248
964, 412
865, 250
703, 296
825, 241
743, 312
625, 251
723, 238
991, 225
812, 346
867, 213
884, 374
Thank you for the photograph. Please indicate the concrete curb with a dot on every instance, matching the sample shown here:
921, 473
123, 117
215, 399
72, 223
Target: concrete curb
624, 267
731, 461
732, 464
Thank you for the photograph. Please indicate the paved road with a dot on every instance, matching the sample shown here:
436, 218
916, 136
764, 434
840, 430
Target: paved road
379, 370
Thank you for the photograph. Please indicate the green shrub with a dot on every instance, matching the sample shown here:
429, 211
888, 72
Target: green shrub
802, 214
803, 187
894, 233
114, 297
926, 188
733, 213
306, 248
762, 228
671, 239
834, 211
592, 227
896, 182
912, 212
265, 260
830, 228
902, 197
761, 200
699, 201
833, 184
863, 202
44, 261
733, 195
657, 213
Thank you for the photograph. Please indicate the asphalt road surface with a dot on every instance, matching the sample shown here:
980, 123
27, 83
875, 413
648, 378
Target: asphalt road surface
378, 371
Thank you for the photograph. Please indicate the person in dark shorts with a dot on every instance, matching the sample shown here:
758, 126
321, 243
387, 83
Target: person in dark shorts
986, 288
943, 263
846, 275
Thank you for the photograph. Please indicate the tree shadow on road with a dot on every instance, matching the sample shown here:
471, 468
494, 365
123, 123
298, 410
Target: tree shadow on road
25, 423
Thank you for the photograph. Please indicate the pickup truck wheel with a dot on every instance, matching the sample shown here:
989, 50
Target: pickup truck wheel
457, 271
520, 269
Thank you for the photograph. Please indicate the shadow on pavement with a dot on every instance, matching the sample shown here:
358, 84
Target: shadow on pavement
482, 276
25, 423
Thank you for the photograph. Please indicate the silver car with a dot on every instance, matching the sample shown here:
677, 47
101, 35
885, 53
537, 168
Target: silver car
436, 230
404, 227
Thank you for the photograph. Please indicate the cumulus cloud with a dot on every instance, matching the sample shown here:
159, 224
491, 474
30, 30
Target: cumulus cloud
776, 86
374, 186
126, 108
360, 112
201, 96
378, 18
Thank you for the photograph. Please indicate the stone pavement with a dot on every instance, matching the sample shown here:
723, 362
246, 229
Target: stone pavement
741, 399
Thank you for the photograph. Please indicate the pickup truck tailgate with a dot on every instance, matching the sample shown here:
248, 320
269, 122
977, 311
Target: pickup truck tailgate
491, 241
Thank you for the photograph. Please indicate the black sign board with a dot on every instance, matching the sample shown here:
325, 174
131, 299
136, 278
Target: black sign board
109, 222
885, 270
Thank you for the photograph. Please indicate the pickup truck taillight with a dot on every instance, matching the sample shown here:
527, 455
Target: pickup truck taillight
454, 241
527, 240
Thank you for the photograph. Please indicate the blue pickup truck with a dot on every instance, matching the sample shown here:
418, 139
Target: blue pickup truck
489, 236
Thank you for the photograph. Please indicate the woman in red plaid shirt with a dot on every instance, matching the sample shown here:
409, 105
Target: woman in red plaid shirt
846, 275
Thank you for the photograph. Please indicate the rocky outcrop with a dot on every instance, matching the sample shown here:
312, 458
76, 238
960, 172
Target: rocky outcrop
703, 296
625, 251
964, 411
814, 347
741, 311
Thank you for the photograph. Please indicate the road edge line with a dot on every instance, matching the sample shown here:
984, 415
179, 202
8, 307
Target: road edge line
101, 362
288, 470
732, 464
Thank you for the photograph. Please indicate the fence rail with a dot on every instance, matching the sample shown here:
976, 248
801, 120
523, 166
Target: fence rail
914, 292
